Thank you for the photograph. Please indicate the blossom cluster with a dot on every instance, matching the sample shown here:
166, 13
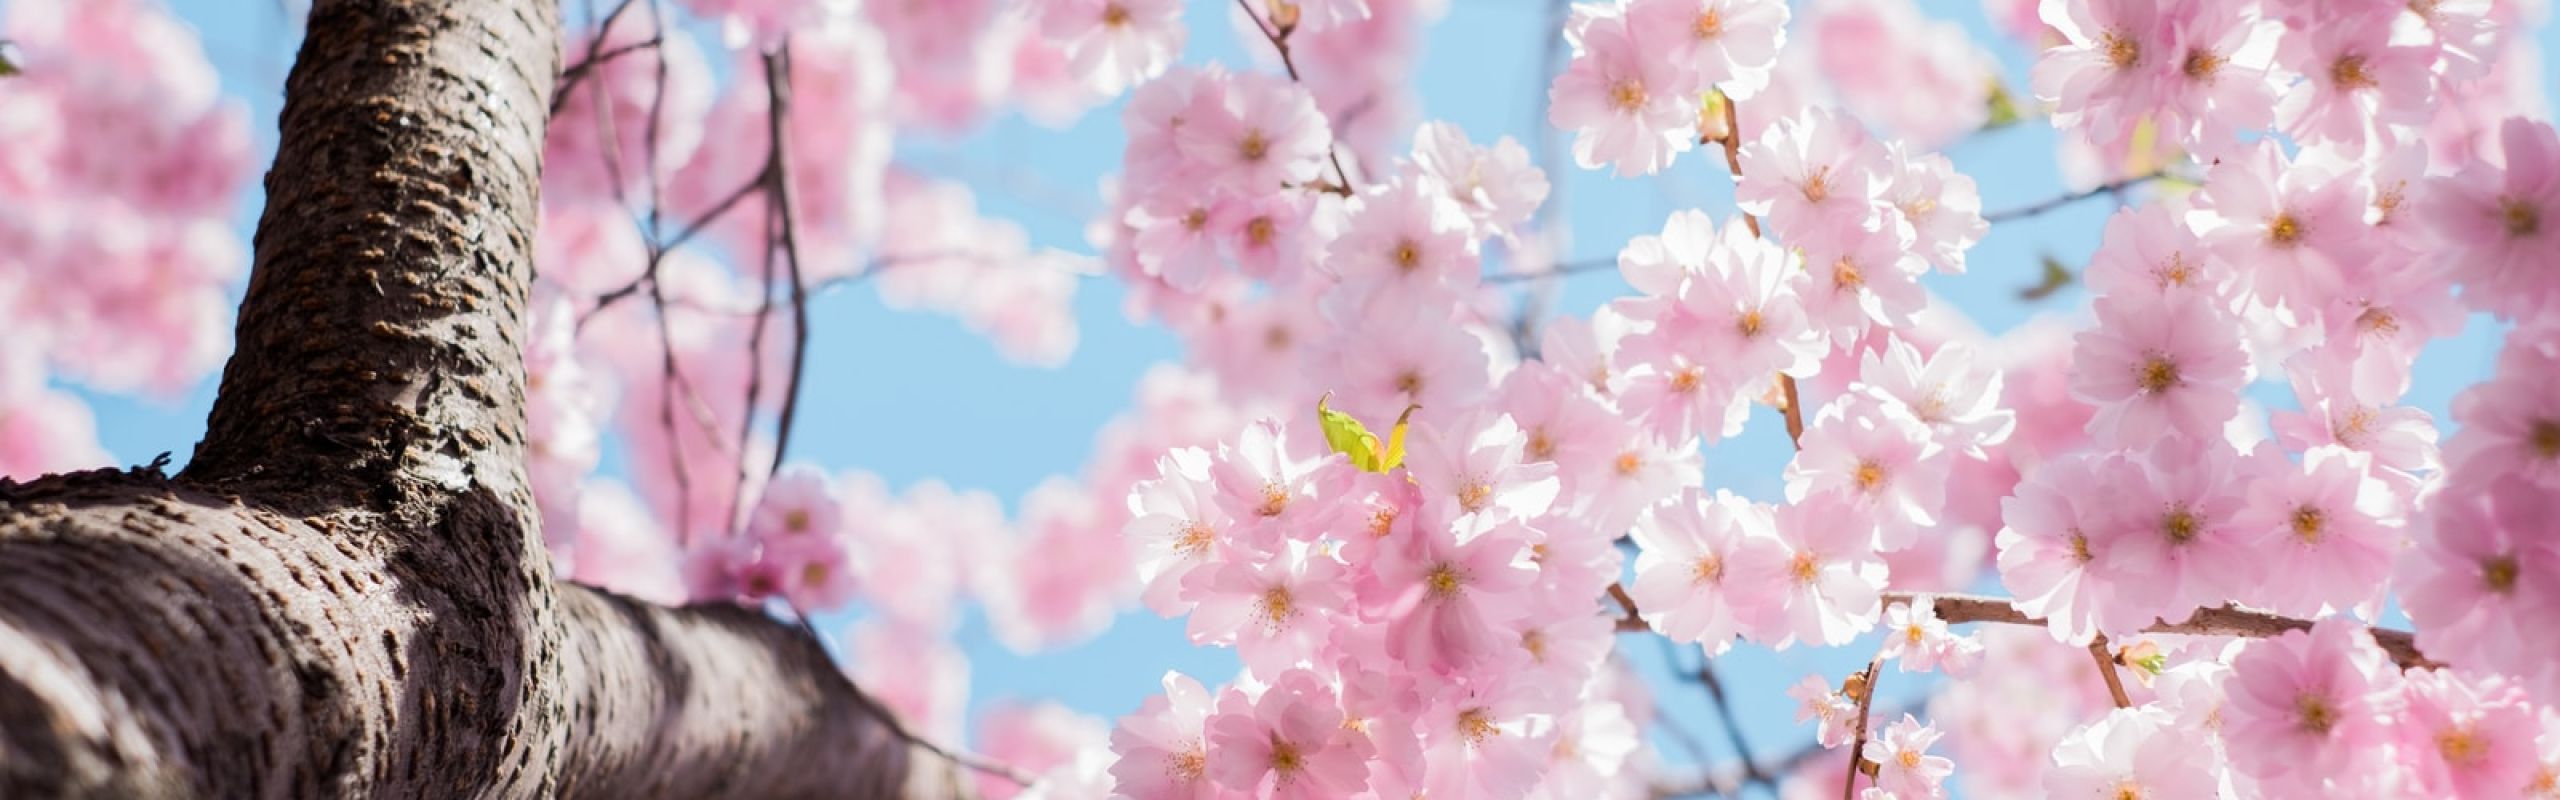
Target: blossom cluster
121, 165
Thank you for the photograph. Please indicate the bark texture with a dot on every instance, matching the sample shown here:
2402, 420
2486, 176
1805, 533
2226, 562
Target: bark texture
346, 593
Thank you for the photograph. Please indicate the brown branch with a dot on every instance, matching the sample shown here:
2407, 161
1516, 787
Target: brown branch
777, 70
2107, 670
2220, 621
1865, 683
569, 79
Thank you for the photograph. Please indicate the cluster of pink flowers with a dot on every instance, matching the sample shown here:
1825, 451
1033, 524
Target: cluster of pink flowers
123, 165
1632, 92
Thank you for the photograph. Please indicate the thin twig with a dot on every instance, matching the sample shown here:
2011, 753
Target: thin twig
1751, 772
594, 46
1732, 141
1557, 270
777, 69
2220, 621
2107, 670
1619, 593
569, 78
1858, 742
1280, 41
2116, 187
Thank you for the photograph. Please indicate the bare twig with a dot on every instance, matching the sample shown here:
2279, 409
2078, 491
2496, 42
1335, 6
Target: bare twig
1279, 37
569, 80
777, 68
2107, 669
2116, 187
2220, 621
1866, 682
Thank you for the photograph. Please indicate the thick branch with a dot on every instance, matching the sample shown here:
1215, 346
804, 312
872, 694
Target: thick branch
377, 358
2223, 621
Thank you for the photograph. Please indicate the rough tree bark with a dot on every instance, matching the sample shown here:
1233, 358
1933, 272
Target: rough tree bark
345, 594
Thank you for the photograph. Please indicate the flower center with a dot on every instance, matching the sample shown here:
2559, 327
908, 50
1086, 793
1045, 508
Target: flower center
1285, 758
1275, 499
2080, 547
2461, 747
1845, 275
1254, 147
2314, 714
1686, 380
2308, 522
1277, 606
2349, 73
1870, 475
1409, 382
1115, 15
1260, 231
1276, 338
1909, 759
2499, 573
1187, 766
1805, 567
1443, 581
1534, 641
1914, 634
796, 520
2200, 64
1817, 186
1628, 462
1709, 25
1475, 726
814, 574
2128, 790
1709, 569
2285, 230
2177, 272
1474, 496
1627, 94
2545, 438
1750, 323
1196, 219
2521, 219
1541, 447
1383, 520
2181, 524
2377, 319
1192, 540
2158, 374
2122, 53
1407, 256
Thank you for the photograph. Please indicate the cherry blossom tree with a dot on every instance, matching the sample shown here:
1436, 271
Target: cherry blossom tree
2196, 540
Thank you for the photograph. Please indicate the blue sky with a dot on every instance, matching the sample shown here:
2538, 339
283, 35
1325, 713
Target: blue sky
913, 396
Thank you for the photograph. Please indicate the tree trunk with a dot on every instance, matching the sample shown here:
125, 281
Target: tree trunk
346, 593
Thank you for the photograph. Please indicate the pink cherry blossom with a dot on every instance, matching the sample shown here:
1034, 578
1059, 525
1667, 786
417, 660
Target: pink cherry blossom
1818, 173
2156, 365
1729, 45
2149, 249
1627, 107
1904, 767
2499, 223
1179, 526
2332, 522
1259, 135
1832, 575
1832, 712
2310, 706
2356, 80
1113, 44
2132, 752
1920, 642
1404, 242
1481, 742
1265, 486
2338, 410
1288, 743
1474, 464
1880, 459
1942, 205
2292, 227
1707, 569
1444, 600
2481, 571
1958, 400
1921, 78
2183, 535
1497, 187
2510, 424
1276, 610
2110, 69
2467, 736
2056, 528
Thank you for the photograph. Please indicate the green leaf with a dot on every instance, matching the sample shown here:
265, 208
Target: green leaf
2057, 275
2003, 107
1347, 436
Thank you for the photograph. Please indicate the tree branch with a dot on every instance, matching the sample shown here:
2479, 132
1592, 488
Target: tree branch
2111, 188
2222, 621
